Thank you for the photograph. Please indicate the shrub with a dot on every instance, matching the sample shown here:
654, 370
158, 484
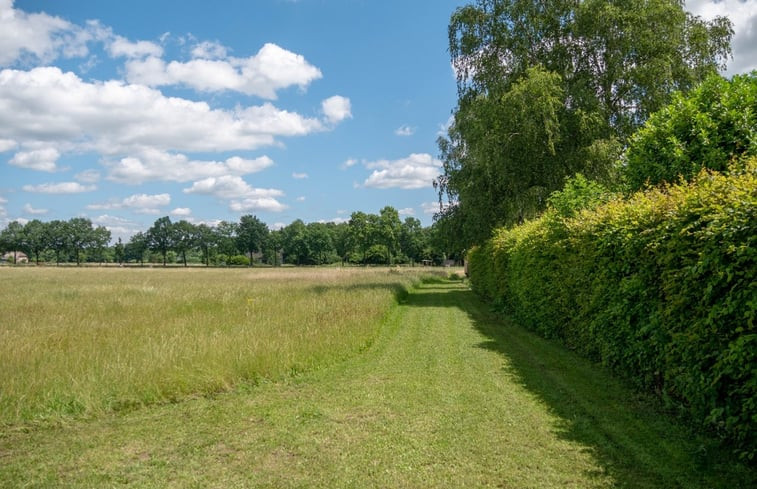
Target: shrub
659, 287
707, 128
238, 260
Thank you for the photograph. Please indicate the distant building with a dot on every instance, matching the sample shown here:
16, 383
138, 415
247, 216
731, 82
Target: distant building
20, 257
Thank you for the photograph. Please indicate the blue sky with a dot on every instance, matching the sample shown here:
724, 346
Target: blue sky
124, 112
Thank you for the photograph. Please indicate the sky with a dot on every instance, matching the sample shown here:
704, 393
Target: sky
124, 112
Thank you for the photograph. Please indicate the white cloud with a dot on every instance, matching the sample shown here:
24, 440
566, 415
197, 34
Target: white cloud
416, 171
242, 197
120, 46
407, 211
40, 159
181, 212
209, 50
299, 176
139, 203
7, 145
433, 207
47, 106
154, 165
37, 36
336, 108
349, 163
88, 176
59, 188
743, 15
300, 199
31, 210
404, 131
118, 226
444, 128
271, 69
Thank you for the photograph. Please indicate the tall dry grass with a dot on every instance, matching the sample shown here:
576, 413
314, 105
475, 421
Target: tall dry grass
81, 342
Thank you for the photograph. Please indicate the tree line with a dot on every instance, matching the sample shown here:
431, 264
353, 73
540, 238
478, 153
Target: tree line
381, 238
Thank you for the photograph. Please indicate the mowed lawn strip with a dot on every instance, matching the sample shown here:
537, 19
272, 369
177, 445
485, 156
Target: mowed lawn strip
448, 396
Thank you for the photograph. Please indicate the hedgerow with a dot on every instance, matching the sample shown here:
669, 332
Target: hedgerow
661, 287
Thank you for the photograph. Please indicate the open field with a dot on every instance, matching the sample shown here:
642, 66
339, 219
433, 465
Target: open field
443, 394
86, 341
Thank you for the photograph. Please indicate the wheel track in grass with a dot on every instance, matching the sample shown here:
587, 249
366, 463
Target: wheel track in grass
448, 396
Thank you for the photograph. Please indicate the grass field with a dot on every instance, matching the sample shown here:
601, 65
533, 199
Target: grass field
87, 341
442, 394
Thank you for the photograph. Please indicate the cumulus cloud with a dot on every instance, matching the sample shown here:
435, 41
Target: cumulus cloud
433, 207
59, 188
119, 227
28, 209
39, 37
404, 131
7, 145
416, 171
349, 163
336, 108
88, 176
181, 212
299, 176
154, 165
120, 46
743, 15
40, 159
273, 68
407, 211
242, 197
139, 203
48, 106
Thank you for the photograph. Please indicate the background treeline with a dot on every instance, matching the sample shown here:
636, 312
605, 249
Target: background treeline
659, 281
365, 239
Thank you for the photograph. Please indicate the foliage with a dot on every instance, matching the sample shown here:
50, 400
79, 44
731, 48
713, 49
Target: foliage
659, 287
238, 260
577, 194
710, 127
553, 88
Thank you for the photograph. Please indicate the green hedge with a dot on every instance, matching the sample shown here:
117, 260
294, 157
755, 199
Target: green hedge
661, 287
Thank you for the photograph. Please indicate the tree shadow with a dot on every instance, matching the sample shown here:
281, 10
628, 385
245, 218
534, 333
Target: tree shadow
636, 442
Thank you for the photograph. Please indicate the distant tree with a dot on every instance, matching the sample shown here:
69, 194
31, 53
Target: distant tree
206, 239
59, 238
295, 242
389, 230
98, 243
272, 248
36, 238
119, 252
160, 237
184, 238
136, 247
412, 239
340, 236
251, 234
360, 233
320, 243
81, 236
226, 237
12, 238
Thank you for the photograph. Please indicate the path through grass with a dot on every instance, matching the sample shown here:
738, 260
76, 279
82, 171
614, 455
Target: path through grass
446, 397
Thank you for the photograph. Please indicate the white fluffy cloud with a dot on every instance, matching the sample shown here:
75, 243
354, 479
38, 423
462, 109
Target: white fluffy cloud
416, 171
46, 105
28, 209
39, 37
154, 165
273, 68
139, 203
59, 188
120, 46
743, 15
39, 159
336, 108
242, 197
181, 212
404, 130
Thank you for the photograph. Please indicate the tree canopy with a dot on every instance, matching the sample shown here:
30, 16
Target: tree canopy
553, 88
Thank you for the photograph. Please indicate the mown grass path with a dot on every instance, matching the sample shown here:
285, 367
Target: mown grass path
447, 397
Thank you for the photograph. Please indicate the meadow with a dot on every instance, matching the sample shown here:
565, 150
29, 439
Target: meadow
81, 342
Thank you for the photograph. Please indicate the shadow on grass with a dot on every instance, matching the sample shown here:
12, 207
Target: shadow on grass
627, 432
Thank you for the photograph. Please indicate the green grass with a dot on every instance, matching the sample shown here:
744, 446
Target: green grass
446, 396
86, 341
